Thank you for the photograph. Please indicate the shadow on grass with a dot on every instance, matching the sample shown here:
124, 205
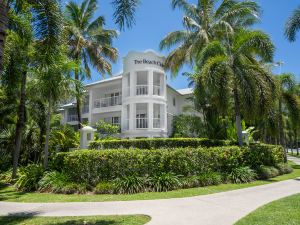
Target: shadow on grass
30, 219
7, 192
17, 218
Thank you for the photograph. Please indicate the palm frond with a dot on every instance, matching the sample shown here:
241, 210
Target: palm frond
125, 12
293, 25
254, 42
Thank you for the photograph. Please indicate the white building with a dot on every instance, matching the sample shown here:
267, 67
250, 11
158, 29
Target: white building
139, 99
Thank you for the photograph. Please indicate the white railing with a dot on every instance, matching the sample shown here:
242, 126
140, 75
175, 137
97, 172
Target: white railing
107, 102
141, 89
72, 118
141, 123
156, 90
156, 123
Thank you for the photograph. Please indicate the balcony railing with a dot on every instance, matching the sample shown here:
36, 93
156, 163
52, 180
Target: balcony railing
72, 118
141, 123
141, 89
156, 90
107, 102
156, 123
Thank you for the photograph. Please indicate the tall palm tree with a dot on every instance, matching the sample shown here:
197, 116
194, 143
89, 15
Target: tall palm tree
293, 25
3, 28
288, 103
204, 22
230, 68
18, 48
90, 43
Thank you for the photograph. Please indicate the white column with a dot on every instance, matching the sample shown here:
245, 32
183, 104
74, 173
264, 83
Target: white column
150, 82
164, 86
132, 83
150, 115
132, 115
165, 117
123, 117
124, 86
91, 104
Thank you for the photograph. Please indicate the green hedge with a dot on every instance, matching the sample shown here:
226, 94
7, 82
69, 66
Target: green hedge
92, 166
155, 143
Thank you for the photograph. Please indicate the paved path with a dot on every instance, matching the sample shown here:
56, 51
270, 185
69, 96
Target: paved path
216, 209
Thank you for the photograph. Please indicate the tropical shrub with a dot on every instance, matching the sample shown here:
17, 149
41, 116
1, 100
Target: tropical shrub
5, 177
284, 168
63, 137
241, 175
267, 172
209, 178
29, 177
104, 187
189, 182
164, 182
57, 182
156, 143
130, 184
187, 126
91, 167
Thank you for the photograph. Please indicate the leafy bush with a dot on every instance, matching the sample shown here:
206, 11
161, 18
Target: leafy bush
189, 182
164, 182
130, 184
267, 172
242, 175
104, 188
209, 178
57, 182
156, 143
187, 126
29, 177
263, 154
284, 168
5, 177
91, 166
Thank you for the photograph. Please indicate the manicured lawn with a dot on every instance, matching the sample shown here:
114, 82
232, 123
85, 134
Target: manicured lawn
10, 194
285, 211
73, 220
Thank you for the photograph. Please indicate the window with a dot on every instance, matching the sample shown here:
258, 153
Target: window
174, 101
113, 120
89, 136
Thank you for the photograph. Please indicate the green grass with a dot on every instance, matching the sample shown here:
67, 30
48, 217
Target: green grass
8, 193
74, 220
294, 155
285, 211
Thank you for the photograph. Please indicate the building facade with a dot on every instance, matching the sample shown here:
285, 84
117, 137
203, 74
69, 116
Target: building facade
139, 100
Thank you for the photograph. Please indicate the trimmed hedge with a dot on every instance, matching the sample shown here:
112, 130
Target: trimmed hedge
155, 143
92, 166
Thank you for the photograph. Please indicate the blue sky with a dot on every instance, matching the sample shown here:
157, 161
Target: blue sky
155, 19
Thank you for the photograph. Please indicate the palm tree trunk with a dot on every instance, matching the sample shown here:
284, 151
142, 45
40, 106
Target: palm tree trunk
46, 149
238, 121
280, 126
78, 100
20, 125
3, 28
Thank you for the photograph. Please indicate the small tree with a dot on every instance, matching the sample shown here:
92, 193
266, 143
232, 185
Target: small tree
106, 129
